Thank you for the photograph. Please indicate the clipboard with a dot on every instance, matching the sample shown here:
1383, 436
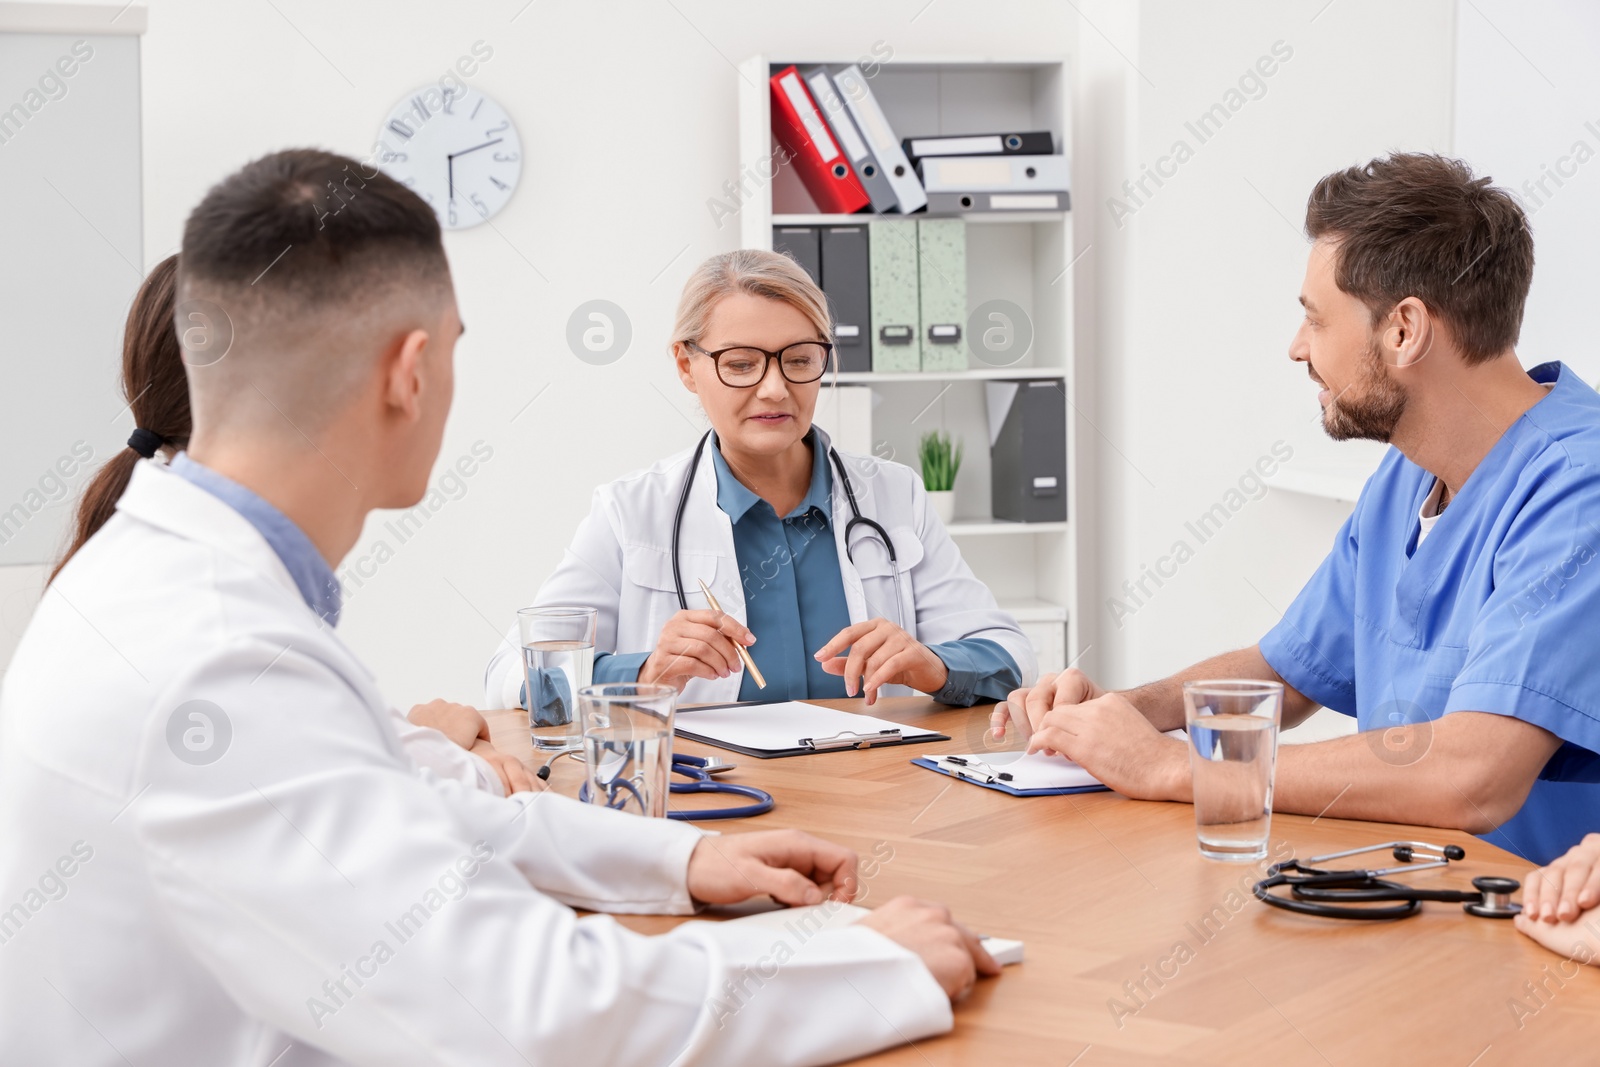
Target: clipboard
791, 728
988, 779
1020, 774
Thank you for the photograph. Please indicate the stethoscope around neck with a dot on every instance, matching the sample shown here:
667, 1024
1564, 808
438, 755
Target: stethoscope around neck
856, 519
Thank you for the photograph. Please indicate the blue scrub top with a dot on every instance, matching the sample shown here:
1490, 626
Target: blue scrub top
1497, 611
795, 603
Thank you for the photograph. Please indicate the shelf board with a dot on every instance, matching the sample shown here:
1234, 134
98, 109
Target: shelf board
985, 527
970, 216
986, 374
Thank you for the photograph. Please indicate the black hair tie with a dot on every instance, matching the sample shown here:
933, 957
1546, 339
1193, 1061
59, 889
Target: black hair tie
145, 442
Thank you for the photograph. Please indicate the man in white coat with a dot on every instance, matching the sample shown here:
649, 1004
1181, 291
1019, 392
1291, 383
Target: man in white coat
214, 847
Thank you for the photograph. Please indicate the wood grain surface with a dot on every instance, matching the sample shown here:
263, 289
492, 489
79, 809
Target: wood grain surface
1141, 952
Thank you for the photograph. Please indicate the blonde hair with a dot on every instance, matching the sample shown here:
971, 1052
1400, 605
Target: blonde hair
748, 270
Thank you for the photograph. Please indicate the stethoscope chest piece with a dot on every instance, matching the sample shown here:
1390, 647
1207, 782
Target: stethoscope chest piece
1496, 902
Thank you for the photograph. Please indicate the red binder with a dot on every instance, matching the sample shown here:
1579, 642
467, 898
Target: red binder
798, 124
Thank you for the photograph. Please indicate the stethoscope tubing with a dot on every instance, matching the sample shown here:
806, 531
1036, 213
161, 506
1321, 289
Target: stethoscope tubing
856, 519
700, 781
1349, 894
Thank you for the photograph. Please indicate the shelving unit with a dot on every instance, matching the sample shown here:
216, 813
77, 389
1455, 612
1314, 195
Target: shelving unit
986, 374
1021, 257
982, 217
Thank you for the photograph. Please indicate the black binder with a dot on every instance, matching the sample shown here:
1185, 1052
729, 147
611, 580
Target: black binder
847, 283
1028, 450
1036, 143
801, 244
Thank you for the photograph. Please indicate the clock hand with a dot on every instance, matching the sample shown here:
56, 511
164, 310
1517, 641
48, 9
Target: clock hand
450, 173
474, 148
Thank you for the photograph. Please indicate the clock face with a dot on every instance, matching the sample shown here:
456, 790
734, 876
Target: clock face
456, 149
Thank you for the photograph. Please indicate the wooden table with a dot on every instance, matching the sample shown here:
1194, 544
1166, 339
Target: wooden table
1141, 952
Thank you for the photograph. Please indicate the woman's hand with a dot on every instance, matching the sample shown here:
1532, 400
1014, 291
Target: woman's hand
459, 723
514, 777
882, 654
1567, 888
696, 644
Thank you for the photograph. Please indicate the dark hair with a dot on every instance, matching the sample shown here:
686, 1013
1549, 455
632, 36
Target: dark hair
312, 225
1421, 225
157, 391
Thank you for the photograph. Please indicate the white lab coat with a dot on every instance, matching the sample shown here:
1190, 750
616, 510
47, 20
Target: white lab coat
312, 897
620, 562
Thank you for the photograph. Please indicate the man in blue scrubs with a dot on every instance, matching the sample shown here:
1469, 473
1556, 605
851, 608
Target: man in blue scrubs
1458, 616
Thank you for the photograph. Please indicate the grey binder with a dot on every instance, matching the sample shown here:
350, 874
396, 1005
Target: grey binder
847, 283
1028, 449
873, 179
801, 244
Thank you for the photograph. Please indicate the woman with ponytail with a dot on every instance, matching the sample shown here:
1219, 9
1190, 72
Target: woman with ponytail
157, 389
158, 395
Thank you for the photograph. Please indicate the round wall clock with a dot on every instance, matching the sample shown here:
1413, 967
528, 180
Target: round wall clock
455, 148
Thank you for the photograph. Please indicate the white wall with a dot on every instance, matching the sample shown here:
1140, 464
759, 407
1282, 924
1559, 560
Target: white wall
1528, 112
1199, 301
628, 109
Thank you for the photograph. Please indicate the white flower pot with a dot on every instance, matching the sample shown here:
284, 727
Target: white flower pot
944, 504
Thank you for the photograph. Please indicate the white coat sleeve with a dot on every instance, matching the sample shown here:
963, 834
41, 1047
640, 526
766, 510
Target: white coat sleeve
590, 573
952, 603
429, 748
372, 912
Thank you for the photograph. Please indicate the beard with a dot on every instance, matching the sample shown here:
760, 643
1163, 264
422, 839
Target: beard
1368, 409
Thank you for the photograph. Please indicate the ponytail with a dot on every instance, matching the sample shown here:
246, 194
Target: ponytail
157, 391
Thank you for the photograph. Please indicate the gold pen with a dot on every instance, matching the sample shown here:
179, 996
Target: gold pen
749, 664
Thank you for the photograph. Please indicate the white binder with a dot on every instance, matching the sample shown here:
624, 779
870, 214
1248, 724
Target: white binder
995, 174
874, 126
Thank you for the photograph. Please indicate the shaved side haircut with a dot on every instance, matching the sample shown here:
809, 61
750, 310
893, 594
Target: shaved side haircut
296, 271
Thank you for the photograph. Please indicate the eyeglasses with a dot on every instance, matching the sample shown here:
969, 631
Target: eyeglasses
741, 368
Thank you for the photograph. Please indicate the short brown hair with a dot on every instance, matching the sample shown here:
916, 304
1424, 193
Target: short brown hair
310, 226
309, 256
1414, 224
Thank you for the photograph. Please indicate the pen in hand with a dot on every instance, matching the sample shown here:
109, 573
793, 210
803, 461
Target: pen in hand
749, 664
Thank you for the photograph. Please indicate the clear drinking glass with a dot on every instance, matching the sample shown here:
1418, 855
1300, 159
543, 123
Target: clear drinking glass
557, 661
627, 745
1233, 751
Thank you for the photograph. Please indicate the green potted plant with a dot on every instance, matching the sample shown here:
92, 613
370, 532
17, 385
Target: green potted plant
941, 460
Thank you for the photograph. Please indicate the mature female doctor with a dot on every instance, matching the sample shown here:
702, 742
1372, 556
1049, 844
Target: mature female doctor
829, 568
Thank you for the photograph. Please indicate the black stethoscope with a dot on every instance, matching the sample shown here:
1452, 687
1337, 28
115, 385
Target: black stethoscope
1348, 894
857, 519
699, 771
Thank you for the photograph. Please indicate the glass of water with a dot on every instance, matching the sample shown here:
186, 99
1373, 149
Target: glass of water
1233, 751
557, 661
627, 745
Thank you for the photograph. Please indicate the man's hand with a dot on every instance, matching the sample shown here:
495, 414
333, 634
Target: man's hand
696, 644
1566, 888
789, 865
459, 723
1026, 708
513, 775
951, 952
882, 654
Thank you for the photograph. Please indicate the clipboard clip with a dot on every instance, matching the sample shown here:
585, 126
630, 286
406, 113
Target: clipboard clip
962, 767
849, 739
